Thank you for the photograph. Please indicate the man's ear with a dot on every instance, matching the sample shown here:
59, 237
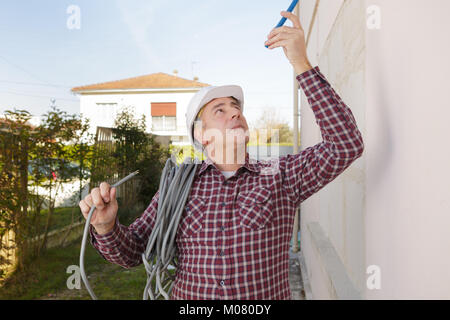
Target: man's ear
198, 131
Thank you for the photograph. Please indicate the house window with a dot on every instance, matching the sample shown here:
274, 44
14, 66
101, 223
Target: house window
164, 123
105, 112
164, 116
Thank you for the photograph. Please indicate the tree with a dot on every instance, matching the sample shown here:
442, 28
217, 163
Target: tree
32, 158
51, 159
15, 142
130, 149
82, 151
270, 128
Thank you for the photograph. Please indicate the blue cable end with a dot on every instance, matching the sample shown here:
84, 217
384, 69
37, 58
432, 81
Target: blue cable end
283, 20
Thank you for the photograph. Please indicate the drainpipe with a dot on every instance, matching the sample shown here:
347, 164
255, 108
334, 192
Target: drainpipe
295, 140
295, 247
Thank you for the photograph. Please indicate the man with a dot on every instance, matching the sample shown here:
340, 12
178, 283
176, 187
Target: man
233, 238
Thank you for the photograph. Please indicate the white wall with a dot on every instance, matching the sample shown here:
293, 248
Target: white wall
408, 158
391, 208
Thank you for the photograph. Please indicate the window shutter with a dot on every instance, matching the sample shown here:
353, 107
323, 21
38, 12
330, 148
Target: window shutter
164, 109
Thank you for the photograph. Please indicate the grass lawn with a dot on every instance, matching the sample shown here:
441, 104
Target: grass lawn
61, 217
46, 277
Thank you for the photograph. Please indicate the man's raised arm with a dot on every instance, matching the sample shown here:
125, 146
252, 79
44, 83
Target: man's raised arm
313, 168
308, 172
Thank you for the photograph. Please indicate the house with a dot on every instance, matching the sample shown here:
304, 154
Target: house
161, 97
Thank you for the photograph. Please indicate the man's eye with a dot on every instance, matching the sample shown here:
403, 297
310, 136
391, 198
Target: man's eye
221, 110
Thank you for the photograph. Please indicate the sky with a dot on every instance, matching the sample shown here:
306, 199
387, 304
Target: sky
220, 42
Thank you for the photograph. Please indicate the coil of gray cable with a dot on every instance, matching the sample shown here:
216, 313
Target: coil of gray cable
161, 250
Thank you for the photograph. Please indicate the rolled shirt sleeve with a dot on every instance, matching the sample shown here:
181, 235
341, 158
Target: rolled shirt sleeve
124, 245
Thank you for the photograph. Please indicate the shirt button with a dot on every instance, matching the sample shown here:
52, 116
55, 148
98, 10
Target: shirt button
222, 283
222, 228
222, 253
223, 204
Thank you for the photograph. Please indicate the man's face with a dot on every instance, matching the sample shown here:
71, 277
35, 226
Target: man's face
223, 125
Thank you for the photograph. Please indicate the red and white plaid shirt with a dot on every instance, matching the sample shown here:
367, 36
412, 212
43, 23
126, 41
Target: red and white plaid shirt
233, 238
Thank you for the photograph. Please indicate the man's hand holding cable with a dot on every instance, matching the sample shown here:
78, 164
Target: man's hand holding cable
106, 207
292, 39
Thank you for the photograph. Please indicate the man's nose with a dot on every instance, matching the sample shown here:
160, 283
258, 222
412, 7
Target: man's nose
235, 114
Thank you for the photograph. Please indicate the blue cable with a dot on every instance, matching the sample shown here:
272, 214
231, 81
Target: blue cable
283, 20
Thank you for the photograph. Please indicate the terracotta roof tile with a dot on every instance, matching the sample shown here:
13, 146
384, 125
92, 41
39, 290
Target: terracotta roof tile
151, 81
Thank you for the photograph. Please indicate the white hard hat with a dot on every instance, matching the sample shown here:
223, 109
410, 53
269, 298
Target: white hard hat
202, 97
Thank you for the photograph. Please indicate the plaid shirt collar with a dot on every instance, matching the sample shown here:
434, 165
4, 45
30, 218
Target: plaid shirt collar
250, 164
